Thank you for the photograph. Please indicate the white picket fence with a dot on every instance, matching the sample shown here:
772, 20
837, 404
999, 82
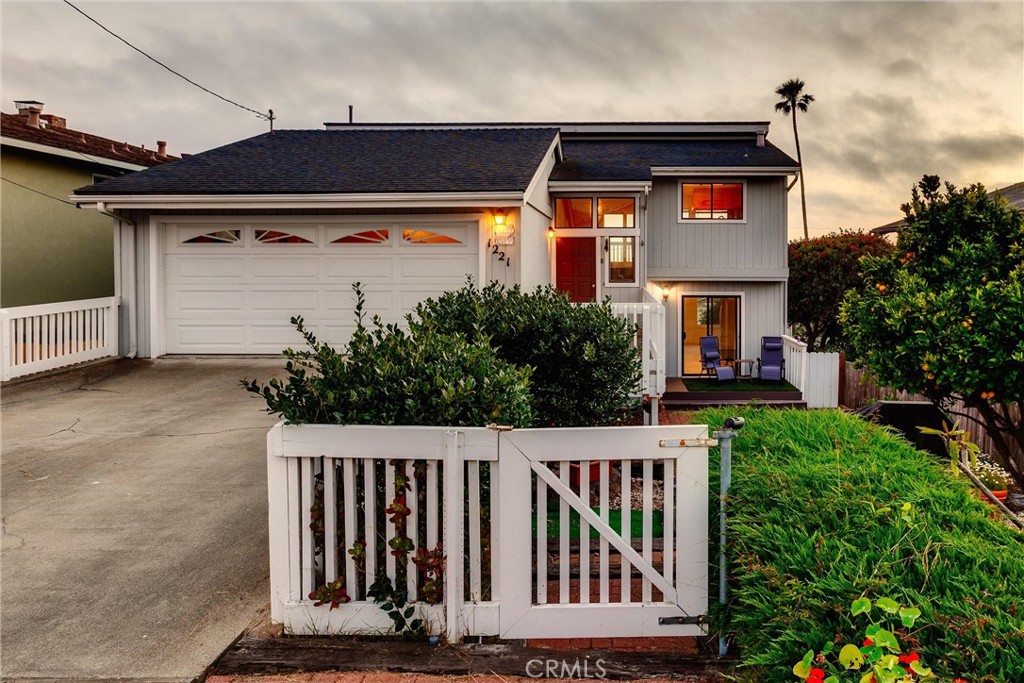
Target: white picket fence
48, 336
532, 544
649, 316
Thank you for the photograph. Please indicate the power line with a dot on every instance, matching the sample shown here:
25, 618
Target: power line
260, 114
30, 189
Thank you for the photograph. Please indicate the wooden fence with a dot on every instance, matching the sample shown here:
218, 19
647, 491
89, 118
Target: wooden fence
590, 532
49, 336
857, 390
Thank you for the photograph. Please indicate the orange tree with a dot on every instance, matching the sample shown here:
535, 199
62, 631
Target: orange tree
943, 315
821, 270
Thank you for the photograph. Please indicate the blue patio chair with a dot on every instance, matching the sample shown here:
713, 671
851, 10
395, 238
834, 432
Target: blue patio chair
709, 355
710, 359
771, 365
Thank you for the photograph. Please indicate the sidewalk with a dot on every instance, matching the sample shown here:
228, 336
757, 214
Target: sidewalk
389, 677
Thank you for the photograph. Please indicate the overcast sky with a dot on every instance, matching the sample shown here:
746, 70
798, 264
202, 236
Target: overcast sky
901, 89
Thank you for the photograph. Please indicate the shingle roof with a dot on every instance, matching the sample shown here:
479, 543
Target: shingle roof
587, 160
16, 127
350, 162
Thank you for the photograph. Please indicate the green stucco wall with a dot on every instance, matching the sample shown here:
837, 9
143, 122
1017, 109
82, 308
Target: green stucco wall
50, 251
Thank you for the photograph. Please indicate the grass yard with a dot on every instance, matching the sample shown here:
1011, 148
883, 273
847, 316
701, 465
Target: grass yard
740, 385
817, 520
636, 523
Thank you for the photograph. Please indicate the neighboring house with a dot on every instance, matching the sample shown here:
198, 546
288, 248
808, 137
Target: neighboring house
1014, 194
51, 250
230, 243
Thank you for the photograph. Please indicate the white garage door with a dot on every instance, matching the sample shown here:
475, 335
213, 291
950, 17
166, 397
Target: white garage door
233, 288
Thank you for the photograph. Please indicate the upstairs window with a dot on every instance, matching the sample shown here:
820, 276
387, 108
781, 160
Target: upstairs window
711, 201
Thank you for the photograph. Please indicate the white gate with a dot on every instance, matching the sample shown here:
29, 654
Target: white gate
610, 585
598, 532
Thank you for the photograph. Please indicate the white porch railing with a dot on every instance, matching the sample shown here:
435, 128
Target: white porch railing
48, 336
528, 535
794, 352
650, 339
816, 375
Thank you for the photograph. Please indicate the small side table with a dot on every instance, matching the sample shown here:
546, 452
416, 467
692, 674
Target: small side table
744, 367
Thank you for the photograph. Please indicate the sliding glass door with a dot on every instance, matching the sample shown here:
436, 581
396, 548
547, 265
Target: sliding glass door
709, 316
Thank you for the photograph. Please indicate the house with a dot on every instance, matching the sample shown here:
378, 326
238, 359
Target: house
230, 243
1014, 194
52, 251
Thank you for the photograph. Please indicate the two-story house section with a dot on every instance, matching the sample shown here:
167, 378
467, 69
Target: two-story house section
232, 242
695, 213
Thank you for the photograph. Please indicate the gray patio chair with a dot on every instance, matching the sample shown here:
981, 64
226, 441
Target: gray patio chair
710, 360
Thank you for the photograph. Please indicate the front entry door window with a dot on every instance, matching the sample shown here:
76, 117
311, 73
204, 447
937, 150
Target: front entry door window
575, 268
705, 316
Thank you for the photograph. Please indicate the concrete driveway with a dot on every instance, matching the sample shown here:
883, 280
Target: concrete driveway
134, 518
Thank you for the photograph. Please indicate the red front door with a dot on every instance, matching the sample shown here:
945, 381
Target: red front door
576, 268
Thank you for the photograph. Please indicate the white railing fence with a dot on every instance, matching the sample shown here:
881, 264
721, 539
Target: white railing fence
816, 374
794, 352
528, 544
649, 317
48, 336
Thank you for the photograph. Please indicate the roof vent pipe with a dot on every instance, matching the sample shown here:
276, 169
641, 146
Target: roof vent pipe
760, 139
351, 115
161, 148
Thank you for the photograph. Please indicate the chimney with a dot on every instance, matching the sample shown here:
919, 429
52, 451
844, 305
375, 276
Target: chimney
760, 139
161, 148
33, 117
25, 105
54, 121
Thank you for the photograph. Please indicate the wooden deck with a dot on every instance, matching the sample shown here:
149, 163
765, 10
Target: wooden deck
678, 397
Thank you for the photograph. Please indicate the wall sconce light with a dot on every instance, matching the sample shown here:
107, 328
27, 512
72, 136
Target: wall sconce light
664, 295
504, 231
551, 232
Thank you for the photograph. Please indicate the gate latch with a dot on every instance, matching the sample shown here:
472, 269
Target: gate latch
702, 442
678, 621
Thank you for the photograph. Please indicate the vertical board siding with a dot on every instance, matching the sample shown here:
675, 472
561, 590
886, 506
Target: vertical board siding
762, 313
709, 248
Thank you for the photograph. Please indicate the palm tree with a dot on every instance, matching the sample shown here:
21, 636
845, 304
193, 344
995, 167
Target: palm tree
794, 98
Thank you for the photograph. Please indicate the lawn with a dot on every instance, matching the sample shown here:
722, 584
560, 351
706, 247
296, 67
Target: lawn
636, 523
740, 385
826, 508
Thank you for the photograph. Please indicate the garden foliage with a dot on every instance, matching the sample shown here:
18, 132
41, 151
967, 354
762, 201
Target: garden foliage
386, 376
943, 315
821, 270
584, 364
826, 509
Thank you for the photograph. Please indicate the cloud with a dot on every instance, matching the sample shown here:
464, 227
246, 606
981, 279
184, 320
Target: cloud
901, 88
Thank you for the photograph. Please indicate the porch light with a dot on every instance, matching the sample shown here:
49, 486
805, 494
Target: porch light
499, 217
664, 295
551, 232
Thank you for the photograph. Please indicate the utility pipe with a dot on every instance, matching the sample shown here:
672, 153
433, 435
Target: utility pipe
133, 342
725, 436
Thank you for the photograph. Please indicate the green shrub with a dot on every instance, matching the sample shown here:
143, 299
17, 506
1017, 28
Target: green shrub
385, 376
817, 521
584, 363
